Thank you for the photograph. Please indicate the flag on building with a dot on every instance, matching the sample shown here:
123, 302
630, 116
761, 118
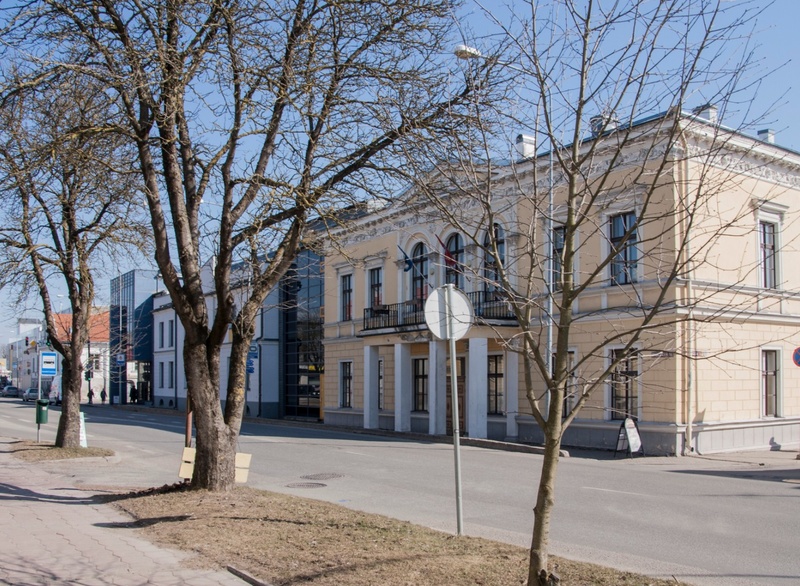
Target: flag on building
409, 263
449, 261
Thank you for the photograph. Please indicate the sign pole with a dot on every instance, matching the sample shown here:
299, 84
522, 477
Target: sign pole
39, 396
454, 393
449, 315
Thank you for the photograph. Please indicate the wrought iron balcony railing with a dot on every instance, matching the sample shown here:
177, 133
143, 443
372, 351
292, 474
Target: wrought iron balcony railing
395, 315
488, 306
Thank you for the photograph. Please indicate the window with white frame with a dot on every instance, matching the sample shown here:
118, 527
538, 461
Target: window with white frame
557, 258
376, 287
420, 384
770, 382
768, 232
491, 269
346, 384
570, 388
346, 297
171, 335
161, 334
171, 379
624, 249
497, 404
624, 384
454, 259
419, 283
161, 375
768, 223
381, 399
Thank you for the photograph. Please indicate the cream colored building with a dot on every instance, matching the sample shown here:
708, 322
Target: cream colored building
714, 247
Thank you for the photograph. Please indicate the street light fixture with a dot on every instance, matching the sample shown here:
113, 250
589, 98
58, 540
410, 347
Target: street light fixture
467, 52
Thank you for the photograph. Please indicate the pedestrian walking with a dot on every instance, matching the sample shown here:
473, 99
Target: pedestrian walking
103, 396
91, 395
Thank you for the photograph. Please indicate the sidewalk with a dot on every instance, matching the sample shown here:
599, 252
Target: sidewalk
57, 534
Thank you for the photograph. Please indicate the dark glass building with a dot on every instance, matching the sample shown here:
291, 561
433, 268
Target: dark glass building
301, 332
131, 335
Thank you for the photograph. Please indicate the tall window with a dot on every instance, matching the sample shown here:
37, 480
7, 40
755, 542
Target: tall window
171, 379
346, 296
571, 389
454, 259
497, 405
419, 285
557, 258
623, 248
767, 232
345, 384
491, 270
376, 287
171, 334
161, 334
769, 382
624, 392
381, 400
161, 375
420, 384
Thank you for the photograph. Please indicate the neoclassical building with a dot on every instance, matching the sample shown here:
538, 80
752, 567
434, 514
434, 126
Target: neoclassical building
712, 244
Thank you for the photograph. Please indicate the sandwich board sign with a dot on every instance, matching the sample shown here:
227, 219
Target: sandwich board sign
628, 439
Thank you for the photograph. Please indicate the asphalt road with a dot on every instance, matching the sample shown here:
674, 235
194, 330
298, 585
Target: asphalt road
705, 521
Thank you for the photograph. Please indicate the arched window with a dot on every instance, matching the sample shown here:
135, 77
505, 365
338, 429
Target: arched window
419, 283
454, 260
491, 270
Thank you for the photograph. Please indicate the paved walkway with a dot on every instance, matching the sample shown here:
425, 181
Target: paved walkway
54, 533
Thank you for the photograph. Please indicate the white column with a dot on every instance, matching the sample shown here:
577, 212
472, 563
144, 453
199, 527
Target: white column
403, 387
437, 387
477, 391
371, 387
511, 379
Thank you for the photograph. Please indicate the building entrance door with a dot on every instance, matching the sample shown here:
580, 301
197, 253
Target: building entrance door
462, 392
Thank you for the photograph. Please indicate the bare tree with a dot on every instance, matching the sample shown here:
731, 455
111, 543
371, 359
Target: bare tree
264, 114
67, 210
612, 172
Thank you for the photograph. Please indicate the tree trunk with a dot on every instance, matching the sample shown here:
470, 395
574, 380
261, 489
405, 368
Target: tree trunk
69, 427
545, 500
214, 467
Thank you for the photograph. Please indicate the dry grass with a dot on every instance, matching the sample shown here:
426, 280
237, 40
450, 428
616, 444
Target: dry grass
283, 540
36, 452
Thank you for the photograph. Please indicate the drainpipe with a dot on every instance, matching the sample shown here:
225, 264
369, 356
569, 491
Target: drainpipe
688, 448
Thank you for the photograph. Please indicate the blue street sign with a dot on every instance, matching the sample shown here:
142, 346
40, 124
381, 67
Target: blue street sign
49, 367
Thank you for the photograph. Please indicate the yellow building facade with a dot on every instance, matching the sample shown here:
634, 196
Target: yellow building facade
702, 226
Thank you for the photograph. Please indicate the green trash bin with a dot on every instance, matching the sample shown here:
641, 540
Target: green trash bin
41, 410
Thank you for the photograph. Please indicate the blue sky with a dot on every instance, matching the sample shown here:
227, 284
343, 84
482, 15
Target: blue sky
776, 39
779, 38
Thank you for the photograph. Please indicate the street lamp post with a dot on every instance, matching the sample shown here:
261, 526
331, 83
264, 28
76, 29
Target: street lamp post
467, 52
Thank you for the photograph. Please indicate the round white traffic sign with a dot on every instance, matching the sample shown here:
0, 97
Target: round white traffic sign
436, 312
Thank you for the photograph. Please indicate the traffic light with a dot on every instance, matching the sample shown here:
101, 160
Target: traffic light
87, 374
27, 341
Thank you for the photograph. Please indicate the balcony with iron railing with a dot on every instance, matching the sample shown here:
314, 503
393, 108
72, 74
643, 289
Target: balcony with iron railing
488, 307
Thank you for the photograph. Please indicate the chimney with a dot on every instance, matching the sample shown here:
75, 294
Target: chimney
767, 135
707, 112
525, 145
